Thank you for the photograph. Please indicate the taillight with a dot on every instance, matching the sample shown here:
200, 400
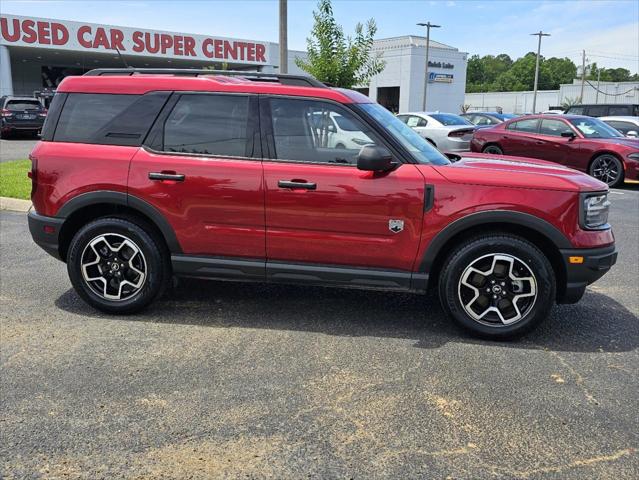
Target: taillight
460, 133
33, 174
43, 113
5, 113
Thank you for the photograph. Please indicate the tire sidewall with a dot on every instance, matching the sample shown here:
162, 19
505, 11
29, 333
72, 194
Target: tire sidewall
619, 180
474, 249
155, 265
501, 152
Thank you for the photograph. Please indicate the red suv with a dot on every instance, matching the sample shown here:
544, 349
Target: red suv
584, 143
146, 174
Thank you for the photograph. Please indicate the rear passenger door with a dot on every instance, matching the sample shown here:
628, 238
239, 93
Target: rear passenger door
519, 138
201, 168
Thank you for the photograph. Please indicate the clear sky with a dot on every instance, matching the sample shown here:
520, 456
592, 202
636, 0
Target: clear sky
607, 29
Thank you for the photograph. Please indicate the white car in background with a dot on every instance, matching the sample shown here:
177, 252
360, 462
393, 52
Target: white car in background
342, 133
628, 126
446, 131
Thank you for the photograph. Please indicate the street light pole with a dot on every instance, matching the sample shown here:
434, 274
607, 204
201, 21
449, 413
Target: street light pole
428, 26
539, 34
283, 37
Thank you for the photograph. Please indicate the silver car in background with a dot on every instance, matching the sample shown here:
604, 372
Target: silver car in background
446, 131
629, 126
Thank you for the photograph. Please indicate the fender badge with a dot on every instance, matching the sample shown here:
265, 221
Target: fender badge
396, 226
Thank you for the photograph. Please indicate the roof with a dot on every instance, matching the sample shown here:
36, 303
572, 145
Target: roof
409, 41
144, 83
625, 118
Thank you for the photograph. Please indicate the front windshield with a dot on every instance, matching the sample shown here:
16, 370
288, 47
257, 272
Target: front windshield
448, 119
419, 148
593, 128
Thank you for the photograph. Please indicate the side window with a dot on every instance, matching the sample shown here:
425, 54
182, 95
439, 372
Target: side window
208, 124
553, 127
597, 111
621, 110
526, 126
481, 120
414, 121
304, 130
85, 114
623, 127
575, 110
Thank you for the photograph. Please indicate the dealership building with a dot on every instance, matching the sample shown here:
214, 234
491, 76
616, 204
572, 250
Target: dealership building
37, 53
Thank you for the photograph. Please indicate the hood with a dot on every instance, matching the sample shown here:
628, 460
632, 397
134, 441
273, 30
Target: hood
517, 172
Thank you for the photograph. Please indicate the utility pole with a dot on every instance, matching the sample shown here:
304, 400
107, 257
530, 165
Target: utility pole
583, 75
428, 26
598, 83
538, 34
283, 37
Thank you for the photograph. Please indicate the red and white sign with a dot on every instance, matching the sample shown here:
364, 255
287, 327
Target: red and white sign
91, 37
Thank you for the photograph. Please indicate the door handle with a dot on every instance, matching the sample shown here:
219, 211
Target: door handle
297, 184
176, 177
540, 142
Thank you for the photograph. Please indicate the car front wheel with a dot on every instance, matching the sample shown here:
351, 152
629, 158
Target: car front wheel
118, 265
497, 286
608, 169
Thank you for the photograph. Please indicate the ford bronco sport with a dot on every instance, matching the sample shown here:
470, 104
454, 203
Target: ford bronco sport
142, 175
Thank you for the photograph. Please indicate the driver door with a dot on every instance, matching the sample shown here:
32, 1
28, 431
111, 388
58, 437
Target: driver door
320, 209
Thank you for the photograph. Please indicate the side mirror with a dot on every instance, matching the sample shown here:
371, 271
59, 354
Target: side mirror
570, 135
632, 134
373, 158
331, 128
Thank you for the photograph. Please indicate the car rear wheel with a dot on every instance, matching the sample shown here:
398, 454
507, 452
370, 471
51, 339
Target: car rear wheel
497, 286
117, 265
492, 149
608, 169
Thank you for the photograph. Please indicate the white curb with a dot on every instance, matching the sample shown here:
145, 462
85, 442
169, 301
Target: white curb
14, 204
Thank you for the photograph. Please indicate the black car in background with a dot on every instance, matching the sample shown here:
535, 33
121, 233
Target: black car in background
487, 119
21, 114
605, 110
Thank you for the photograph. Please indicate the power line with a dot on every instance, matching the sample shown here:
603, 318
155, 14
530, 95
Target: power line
612, 94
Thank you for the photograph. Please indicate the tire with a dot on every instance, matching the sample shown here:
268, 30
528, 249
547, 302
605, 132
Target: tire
608, 169
493, 150
533, 291
131, 261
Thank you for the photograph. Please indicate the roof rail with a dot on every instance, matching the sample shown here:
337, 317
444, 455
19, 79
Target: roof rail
285, 79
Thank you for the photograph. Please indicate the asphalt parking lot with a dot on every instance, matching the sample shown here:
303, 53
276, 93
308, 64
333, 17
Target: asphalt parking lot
16, 148
238, 380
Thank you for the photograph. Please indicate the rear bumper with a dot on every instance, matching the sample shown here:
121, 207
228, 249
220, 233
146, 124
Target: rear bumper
596, 262
45, 232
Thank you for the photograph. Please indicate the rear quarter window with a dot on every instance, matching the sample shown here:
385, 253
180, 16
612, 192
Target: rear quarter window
109, 119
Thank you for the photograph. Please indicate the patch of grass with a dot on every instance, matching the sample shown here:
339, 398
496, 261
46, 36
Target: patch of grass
14, 182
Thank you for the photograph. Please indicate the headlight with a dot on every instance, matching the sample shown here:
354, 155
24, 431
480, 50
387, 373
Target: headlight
361, 142
634, 156
594, 211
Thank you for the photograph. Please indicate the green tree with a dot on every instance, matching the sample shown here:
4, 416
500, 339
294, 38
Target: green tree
555, 71
337, 59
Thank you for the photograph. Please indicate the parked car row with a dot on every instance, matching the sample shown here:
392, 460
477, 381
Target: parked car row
21, 114
605, 148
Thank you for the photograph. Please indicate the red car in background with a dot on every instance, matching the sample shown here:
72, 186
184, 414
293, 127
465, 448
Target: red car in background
580, 142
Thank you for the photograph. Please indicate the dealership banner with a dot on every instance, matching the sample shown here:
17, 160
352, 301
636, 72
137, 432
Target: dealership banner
89, 37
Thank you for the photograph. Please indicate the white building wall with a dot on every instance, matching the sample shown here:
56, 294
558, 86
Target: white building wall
405, 59
521, 102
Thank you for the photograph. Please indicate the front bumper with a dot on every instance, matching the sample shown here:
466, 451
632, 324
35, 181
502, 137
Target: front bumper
45, 232
596, 262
